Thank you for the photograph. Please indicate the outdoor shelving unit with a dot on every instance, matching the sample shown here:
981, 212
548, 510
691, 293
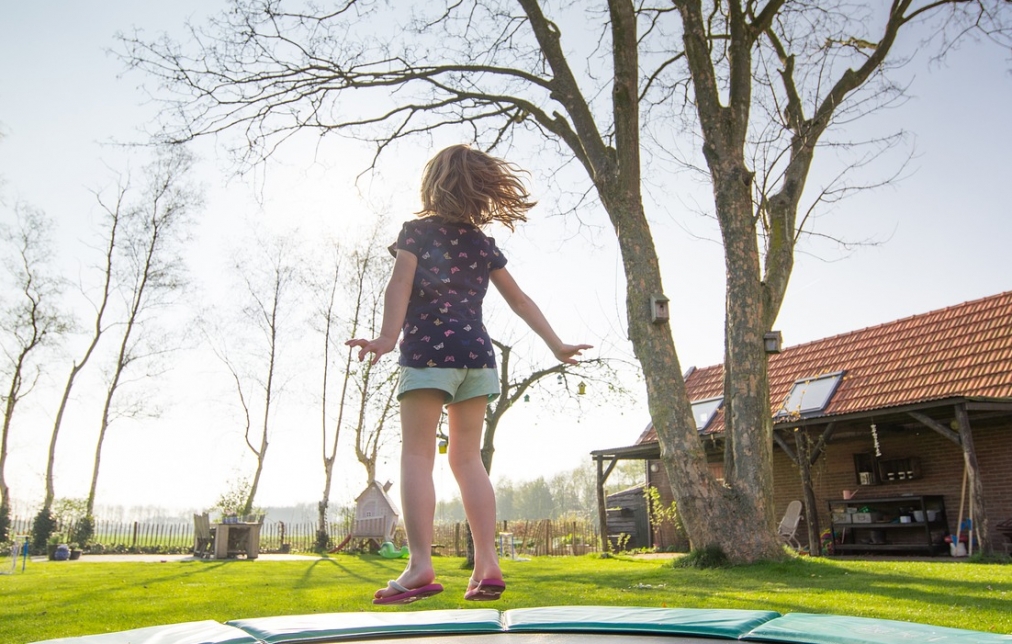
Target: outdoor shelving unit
881, 530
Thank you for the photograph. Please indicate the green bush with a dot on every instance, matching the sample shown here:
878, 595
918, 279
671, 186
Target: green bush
5, 522
84, 531
43, 526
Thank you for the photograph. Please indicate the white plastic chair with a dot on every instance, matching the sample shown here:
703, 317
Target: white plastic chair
789, 525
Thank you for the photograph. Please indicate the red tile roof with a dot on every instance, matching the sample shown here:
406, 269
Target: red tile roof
959, 351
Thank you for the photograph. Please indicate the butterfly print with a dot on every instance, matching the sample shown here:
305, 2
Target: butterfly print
447, 282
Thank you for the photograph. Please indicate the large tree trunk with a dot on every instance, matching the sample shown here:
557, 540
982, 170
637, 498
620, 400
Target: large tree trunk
747, 421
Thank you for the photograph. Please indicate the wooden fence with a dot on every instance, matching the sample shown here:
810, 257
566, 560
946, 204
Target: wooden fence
529, 538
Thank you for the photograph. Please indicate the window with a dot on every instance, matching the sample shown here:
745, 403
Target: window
810, 394
704, 410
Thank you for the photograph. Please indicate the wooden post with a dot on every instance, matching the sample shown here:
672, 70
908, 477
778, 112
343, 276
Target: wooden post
980, 522
602, 509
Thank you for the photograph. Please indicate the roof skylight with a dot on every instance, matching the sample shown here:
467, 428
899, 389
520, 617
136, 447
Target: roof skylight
703, 411
810, 395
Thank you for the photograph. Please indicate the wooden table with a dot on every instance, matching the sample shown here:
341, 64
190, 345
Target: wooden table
233, 539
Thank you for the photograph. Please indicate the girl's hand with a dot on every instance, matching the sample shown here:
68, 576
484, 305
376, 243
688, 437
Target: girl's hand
568, 352
378, 347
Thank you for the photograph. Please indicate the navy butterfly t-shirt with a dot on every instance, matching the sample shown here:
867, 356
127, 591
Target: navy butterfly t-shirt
443, 326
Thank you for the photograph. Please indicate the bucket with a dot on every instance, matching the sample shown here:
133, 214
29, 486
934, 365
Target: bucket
957, 549
919, 516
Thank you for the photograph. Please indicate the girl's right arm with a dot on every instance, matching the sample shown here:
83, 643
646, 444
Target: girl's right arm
395, 307
529, 312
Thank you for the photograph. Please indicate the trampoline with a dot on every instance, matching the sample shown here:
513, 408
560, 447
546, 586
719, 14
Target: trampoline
549, 625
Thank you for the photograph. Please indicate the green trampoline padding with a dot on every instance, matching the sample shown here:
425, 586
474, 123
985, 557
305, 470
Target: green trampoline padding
204, 632
334, 627
551, 623
807, 628
731, 624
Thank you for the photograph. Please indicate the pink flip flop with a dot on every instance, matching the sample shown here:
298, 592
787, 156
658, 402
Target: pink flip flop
408, 595
487, 590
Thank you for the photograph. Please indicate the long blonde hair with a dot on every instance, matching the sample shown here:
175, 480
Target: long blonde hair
469, 186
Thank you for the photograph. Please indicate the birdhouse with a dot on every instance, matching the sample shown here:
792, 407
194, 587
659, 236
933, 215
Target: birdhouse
773, 342
581, 388
659, 309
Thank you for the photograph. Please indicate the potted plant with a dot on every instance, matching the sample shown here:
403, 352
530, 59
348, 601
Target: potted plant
75, 551
51, 544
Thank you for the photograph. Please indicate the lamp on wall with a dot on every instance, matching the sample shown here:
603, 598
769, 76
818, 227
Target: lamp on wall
655, 467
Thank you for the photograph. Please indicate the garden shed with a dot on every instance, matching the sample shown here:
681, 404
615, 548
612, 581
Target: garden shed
628, 524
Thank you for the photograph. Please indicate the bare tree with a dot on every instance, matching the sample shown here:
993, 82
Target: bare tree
503, 74
30, 320
514, 385
270, 275
155, 227
114, 212
374, 403
365, 403
327, 313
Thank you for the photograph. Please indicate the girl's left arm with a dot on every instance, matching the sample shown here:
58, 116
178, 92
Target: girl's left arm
528, 311
395, 308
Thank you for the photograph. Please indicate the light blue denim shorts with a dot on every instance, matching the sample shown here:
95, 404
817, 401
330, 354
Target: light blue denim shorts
458, 384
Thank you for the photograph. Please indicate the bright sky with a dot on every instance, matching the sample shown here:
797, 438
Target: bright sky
944, 231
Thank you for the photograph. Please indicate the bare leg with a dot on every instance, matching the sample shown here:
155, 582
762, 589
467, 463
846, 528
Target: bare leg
466, 419
420, 411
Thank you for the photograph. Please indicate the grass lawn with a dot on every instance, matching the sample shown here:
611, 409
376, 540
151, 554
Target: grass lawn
62, 599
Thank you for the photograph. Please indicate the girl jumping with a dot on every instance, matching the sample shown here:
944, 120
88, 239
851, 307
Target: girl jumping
444, 263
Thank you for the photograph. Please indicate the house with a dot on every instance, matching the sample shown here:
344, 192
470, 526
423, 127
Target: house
892, 435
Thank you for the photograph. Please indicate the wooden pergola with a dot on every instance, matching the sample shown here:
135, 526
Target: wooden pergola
606, 460
811, 437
